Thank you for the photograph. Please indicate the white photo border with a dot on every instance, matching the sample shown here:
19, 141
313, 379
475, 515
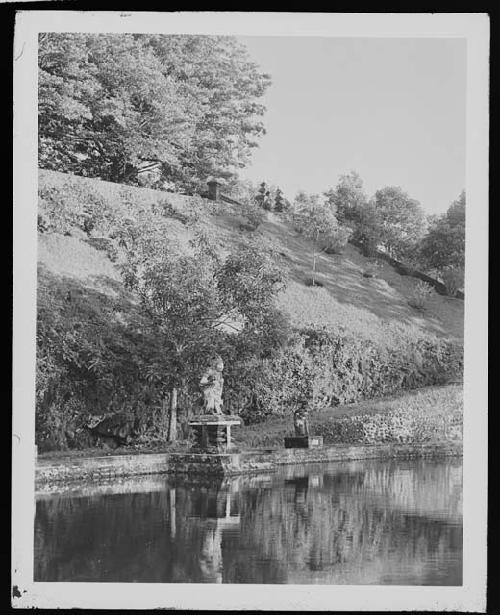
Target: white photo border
471, 596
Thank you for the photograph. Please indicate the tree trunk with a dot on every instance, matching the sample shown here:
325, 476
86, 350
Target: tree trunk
172, 421
315, 241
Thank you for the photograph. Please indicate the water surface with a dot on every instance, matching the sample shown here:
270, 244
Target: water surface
369, 522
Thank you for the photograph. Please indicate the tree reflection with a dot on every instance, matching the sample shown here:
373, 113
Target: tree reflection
352, 523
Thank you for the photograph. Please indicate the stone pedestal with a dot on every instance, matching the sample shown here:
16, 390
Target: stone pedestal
213, 432
304, 442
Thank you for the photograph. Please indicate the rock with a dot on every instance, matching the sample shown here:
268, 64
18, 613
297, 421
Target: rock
116, 429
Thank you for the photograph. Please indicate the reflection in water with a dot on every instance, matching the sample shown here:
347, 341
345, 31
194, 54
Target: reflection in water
351, 523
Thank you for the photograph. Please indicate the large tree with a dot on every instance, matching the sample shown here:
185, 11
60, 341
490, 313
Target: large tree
400, 220
316, 220
109, 101
347, 198
442, 250
194, 301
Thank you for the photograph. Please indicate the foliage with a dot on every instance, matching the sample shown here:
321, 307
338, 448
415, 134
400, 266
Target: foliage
248, 281
89, 361
433, 411
280, 203
401, 221
420, 295
337, 240
453, 279
107, 102
99, 354
367, 228
263, 197
242, 190
316, 221
68, 205
347, 198
253, 214
193, 300
330, 368
391, 219
442, 250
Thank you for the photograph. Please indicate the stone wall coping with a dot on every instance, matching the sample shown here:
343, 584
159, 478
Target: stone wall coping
226, 463
216, 420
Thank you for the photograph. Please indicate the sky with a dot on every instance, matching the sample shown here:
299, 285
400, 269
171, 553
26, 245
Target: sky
391, 109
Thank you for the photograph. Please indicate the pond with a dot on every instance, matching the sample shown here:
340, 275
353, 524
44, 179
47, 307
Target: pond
369, 522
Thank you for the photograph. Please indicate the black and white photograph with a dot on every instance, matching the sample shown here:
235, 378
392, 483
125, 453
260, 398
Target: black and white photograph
250, 311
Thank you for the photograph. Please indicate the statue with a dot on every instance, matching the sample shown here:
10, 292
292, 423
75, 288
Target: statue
301, 421
302, 437
211, 384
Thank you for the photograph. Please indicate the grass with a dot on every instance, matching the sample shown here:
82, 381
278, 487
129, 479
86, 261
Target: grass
107, 451
444, 401
375, 307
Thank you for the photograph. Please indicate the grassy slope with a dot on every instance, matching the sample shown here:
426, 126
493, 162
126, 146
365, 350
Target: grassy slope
373, 307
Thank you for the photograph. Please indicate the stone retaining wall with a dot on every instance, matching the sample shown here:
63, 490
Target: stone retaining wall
96, 468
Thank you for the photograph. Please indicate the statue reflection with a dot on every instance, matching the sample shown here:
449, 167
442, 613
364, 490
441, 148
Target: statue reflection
215, 506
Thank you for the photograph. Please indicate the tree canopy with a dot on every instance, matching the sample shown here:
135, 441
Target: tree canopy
401, 221
316, 220
444, 244
107, 102
195, 301
347, 197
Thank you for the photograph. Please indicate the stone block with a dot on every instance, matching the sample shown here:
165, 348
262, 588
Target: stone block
304, 442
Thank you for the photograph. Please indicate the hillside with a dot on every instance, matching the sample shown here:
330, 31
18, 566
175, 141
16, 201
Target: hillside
375, 307
356, 338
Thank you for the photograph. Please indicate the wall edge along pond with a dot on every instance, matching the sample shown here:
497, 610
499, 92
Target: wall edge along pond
226, 464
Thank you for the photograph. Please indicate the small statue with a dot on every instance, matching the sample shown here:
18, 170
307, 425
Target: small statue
211, 384
301, 421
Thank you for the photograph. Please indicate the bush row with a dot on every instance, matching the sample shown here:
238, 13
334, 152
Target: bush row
325, 368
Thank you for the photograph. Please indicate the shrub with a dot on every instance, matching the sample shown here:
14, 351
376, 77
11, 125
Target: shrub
338, 240
401, 221
313, 282
420, 295
444, 244
373, 268
331, 369
89, 361
280, 203
453, 279
253, 215
71, 204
